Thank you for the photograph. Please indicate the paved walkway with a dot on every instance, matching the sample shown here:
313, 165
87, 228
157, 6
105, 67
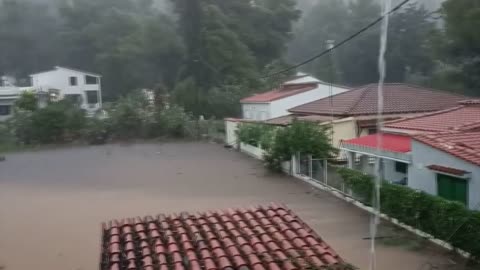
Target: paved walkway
52, 202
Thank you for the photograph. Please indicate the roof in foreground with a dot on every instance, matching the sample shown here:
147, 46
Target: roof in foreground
462, 117
389, 142
398, 98
464, 145
257, 238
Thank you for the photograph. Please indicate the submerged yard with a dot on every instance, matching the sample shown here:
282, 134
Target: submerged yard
52, 203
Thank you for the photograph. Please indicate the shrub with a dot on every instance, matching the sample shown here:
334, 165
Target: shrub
97, 131
27, 101
446, 220
21, 126
250, 133
128, 116
57, 122
172, 121
305, 137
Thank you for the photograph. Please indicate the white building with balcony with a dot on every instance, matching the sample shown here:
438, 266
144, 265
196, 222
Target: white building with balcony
82, 87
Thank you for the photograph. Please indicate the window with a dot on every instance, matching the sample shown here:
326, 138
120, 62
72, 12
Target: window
92, 97
73, 81
452, 188
401, 167
5, 110
91, 79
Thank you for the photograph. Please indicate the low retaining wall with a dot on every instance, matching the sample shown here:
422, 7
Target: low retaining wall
371, 210
252, 151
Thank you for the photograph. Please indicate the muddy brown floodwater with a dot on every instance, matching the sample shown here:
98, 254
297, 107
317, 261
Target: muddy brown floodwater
52, 202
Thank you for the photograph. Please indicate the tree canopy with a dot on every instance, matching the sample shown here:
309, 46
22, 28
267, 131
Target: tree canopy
409, 49
208, 54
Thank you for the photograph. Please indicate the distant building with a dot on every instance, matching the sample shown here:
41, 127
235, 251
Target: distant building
8, 96
276, 103
81, 87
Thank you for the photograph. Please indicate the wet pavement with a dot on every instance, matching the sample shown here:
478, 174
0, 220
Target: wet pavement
52, 202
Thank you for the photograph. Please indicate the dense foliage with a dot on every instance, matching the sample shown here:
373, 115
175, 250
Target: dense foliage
431, 214
131, 117
27, 101
408, 52
55, 123
460, 44
207, 54
281, 143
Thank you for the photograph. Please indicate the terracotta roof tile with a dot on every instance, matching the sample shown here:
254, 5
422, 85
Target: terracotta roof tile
448, 170
279, 93
390, 142
462, 144
463, 117
270, 237
398, 98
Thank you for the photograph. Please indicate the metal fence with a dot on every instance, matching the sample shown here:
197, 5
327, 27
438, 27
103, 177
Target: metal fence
321, 170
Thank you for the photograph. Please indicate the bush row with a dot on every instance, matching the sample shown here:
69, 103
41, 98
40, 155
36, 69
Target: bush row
446, 220
131, 117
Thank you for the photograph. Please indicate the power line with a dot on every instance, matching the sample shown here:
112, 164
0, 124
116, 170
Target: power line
397, 7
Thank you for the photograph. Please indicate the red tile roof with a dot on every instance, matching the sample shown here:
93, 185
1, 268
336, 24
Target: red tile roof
463, 117
448, 170
258, 238
279, 93
389, 142
398, 98
287, 119
461, 144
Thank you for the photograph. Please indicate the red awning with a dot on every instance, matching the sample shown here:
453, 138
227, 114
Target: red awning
389, 142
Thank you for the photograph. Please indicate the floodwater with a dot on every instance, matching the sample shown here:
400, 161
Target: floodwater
52, 202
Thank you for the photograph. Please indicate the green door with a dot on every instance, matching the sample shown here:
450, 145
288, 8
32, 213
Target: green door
452, 188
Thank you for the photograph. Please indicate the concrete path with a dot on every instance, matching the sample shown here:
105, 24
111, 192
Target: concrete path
52, 202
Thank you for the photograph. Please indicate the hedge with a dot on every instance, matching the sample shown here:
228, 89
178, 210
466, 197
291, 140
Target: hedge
445, 220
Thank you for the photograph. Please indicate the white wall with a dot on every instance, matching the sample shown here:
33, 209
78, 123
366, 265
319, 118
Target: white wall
389, 172
256, 111
230, 132
422, 178
280, 107
60, 79
252, 150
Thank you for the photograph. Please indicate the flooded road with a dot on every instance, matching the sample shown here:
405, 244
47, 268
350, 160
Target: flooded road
52, 202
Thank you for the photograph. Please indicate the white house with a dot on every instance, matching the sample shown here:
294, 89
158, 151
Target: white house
82, 87
447, 165
437, 152
275, 103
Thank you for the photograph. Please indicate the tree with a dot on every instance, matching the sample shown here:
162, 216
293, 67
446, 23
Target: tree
355, 63
410, 48
228, 43
27, 101
299, 137
24, 45
462, 46
132, 44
